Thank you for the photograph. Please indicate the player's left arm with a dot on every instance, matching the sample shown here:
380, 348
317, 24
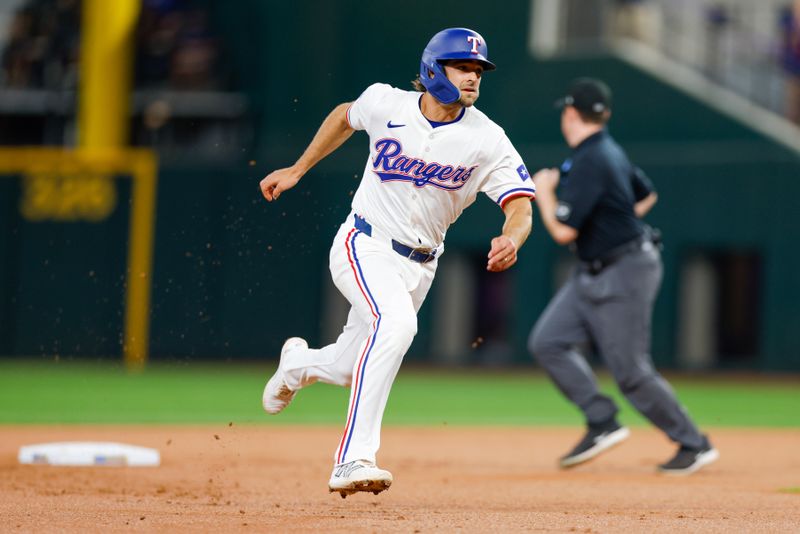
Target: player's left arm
519, 220
546, 181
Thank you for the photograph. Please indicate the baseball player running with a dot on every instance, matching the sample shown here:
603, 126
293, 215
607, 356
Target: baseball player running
431, 153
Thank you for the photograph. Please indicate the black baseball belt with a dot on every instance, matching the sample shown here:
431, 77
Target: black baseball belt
597, 265
419, 254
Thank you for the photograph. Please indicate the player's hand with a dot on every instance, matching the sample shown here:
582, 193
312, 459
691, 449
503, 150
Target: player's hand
279, 181
546, 179
502, 255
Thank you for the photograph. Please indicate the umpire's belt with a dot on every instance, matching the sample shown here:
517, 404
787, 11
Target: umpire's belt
597, 265
419, 255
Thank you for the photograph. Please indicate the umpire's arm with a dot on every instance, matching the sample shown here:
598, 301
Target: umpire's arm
546, 181
642, 207
643, 191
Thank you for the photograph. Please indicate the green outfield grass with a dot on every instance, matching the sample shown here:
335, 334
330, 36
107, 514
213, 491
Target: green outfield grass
81, 392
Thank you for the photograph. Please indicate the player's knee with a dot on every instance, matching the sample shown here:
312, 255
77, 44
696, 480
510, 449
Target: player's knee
403, 327
407, 327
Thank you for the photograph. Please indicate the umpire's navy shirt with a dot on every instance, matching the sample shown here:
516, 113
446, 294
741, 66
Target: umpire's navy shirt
597, 191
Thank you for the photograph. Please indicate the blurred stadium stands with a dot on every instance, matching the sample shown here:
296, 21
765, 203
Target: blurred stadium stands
185, 95
752, 48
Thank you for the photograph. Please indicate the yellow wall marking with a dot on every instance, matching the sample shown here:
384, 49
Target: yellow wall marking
50, 173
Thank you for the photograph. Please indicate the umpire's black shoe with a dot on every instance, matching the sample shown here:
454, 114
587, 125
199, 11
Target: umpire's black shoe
688, 459
598, 438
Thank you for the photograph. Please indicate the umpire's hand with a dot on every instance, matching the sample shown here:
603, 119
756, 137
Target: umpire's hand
546, 179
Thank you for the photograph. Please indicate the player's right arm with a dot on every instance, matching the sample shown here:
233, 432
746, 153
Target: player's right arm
334, 131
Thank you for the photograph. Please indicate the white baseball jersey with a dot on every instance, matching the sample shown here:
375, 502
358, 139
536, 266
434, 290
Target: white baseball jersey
418, 179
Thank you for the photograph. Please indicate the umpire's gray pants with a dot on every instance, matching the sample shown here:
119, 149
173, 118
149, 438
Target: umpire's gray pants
612, 310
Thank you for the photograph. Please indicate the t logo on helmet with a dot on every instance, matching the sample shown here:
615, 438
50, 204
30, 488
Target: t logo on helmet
476, 42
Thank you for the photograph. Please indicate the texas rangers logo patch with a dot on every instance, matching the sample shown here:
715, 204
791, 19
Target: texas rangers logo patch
390, 164
523, 172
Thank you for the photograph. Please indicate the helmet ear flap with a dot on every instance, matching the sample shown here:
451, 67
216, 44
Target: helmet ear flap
438, 85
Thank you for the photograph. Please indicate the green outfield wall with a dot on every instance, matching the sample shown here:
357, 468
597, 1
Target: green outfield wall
234, 276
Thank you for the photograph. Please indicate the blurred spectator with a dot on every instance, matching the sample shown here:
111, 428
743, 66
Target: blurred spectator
790, 59
19, 56
637, 19
42, 48
196, 55
718, 20
176, 48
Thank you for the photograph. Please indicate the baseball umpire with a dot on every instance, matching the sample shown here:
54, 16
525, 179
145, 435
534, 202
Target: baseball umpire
608, 299
431, 153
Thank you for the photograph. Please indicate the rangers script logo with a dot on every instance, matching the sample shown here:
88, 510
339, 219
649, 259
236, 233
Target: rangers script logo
390, 164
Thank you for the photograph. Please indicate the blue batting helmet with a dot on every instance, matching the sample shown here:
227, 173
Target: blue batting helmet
450, 44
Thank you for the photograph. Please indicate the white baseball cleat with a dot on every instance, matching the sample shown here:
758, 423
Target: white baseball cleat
359, 475
277, 394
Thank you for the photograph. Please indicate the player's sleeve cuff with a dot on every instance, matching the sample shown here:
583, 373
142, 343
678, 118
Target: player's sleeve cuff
516, 193
347, 116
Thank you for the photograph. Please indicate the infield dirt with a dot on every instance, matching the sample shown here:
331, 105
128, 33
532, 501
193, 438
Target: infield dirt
266, 478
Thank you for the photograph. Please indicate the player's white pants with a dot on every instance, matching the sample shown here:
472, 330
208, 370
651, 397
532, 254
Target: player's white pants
385, 291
